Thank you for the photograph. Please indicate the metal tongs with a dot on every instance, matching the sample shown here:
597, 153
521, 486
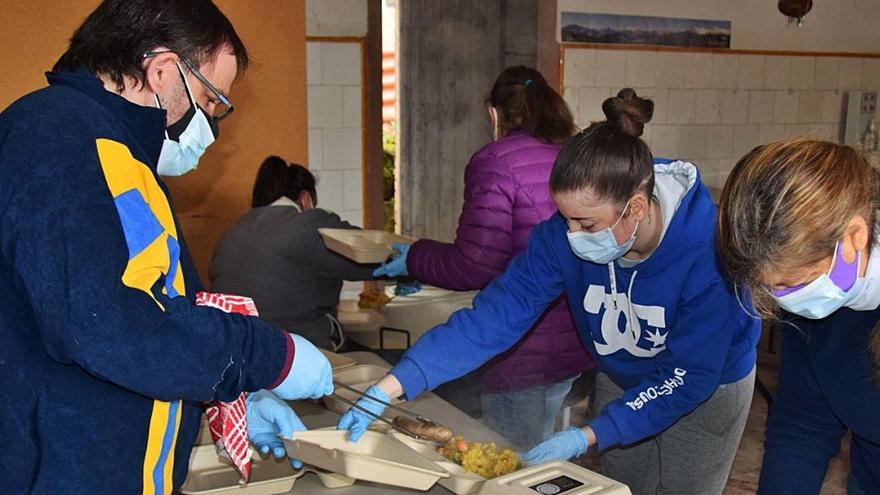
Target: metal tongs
405, 431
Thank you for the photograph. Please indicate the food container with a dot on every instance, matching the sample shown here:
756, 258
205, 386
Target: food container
337, 361
554, 477
356, 320
375, 457
212, 474
331, 480
460, 481
363, 246
204, 436
360, 377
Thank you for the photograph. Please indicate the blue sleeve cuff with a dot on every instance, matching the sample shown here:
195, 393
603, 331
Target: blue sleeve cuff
606, 432
410, 377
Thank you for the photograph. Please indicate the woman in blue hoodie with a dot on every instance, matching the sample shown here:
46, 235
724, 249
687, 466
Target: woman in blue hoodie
797, 230
633, 250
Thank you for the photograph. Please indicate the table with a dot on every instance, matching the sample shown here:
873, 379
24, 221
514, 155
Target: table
406, 318
401, 322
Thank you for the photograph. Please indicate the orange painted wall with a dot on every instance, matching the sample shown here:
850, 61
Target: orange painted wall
33, 34
270, 101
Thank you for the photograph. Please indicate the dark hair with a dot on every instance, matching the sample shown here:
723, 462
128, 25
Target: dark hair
525, 101
277, 178
609, 157
114, 38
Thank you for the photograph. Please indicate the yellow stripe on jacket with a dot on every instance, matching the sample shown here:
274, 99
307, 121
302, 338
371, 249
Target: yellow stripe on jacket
146, 218
151, 236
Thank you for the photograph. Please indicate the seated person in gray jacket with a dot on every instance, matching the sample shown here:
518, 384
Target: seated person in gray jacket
275, 255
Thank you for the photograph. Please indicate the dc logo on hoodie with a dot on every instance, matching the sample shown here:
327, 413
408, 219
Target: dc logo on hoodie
622, 324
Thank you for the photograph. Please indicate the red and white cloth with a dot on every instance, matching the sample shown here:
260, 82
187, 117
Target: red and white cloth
227, 421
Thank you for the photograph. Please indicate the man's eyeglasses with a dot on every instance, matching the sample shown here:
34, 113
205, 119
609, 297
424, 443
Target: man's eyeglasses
222, 107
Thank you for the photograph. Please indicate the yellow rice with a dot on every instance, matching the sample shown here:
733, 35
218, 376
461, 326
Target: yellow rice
483, 459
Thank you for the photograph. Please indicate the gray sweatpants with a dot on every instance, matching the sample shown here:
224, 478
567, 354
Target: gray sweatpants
693, 456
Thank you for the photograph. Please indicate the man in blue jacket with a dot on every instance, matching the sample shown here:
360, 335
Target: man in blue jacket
106, 360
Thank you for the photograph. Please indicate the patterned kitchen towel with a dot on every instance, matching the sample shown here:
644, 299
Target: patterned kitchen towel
227, 421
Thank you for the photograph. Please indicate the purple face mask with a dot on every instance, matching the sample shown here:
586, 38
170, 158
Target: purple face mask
842, 274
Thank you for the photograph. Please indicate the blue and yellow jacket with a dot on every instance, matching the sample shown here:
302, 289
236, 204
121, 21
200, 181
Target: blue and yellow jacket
105, 360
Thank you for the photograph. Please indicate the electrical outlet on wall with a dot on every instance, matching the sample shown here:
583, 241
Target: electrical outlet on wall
869, 102
861, 107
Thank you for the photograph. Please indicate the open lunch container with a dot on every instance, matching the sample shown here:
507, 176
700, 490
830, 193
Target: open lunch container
398, 460
362, 246
460, 482
210, 474
555, 477
337, 361
375, 457
360, 377
356, 319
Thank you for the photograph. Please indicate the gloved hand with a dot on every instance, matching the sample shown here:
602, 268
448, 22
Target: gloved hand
310, 376
267, 416
357, 421
407, 288
568, 443
397, 266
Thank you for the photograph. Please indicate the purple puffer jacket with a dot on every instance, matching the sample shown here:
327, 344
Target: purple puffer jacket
506, 194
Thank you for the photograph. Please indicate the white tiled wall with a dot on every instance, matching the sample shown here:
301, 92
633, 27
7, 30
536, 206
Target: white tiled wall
336, 17
712, 108
335, 126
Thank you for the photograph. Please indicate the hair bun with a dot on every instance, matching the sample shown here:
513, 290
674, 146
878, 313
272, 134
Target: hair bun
628, 111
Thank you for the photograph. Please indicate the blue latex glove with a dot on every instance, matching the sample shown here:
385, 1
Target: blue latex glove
568, 443
397, 266
310, 376
406, 289
268, 416
357, 421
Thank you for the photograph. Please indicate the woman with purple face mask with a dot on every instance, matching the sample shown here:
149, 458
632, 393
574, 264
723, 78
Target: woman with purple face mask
796, 231
826, 293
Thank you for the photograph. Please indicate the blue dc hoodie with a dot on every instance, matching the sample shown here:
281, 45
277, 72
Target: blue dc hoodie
104, 359
668, 330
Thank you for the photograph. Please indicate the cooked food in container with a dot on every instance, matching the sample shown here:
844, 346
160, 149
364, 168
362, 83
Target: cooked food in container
373, 299
426, 431
483, 459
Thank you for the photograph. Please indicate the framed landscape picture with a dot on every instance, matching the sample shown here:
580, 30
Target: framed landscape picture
578, 27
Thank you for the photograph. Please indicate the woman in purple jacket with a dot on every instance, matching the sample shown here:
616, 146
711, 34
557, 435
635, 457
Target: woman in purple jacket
506, 194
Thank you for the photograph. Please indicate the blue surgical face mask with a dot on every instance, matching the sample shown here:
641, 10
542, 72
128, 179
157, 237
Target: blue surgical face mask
180, 154
827, 293
601, 247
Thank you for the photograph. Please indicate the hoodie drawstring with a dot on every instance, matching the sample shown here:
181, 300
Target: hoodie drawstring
613, 284
613, 277
629, 297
